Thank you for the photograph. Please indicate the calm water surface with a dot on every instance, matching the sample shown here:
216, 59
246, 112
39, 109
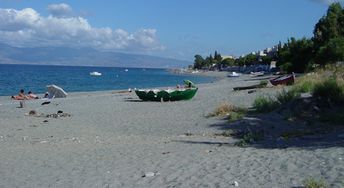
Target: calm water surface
77, 79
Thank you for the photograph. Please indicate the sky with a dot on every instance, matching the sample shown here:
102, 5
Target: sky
177, 29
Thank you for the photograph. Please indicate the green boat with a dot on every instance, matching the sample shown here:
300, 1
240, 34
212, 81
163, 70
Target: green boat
168, 94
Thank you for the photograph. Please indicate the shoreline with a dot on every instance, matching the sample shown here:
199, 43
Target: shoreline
217, 76
213, 75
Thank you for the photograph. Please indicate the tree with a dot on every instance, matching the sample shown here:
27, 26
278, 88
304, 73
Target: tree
326, 32
240, 61
199, 62
209, 61
228, 62
266, 60
250, 59
217, 57
332, 52
329, 26
296, 54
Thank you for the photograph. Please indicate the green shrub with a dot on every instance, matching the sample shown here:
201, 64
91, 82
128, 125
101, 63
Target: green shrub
249, 138
265, 104
329, 90
312, 183
333, 118
303, 87
222, 110
263, 82
297, 133
234, 113
287, 96
237, 115
226, 133
287, 67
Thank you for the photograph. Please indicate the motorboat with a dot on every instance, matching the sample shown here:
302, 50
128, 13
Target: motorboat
234, 74
95, 73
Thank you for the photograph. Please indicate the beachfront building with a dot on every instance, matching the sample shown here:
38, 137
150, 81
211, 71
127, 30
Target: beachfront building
261, 53
228, 57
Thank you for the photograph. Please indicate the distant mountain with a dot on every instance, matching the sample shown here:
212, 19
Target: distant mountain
83, 57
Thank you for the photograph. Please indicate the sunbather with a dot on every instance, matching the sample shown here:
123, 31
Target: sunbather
21, 96
31, 95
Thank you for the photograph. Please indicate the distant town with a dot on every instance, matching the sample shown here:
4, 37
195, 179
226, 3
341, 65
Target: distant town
261, 60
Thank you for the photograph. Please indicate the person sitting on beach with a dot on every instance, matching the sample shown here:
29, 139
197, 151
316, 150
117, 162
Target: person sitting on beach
20, 96
32, 96
46, 95
185, 86
189, 85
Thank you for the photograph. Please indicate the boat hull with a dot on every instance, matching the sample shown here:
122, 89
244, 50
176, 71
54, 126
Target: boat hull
283, 80
95, 73
166, 95
233, 74
250, 87
257, 74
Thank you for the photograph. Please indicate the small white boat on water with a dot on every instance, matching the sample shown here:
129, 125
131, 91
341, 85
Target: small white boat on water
126, 70
234, 74
95, 73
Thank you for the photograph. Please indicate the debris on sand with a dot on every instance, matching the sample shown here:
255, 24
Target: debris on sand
46, 102
150, 174
59, 113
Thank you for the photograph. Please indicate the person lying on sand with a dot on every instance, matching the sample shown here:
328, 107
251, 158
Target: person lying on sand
31, 95
21, 96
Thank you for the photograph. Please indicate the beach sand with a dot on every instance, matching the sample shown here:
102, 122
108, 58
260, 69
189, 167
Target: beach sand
112, 139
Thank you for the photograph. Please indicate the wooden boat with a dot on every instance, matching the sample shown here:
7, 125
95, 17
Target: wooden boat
261, 85
256, 74
166, 95
283, 80
185, 93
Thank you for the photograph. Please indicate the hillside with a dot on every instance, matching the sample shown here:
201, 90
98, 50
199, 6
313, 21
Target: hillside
83, 57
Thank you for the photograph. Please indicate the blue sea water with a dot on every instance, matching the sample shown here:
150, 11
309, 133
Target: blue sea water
77, 79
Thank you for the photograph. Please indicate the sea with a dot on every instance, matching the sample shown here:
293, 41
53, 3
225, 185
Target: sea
35, 78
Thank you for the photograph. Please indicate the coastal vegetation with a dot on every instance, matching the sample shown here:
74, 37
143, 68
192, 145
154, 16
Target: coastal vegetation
233, 113
325, 85
325, 47
264, 104
250, 137
267, 104
313, 103
210, 61
296, 55
314, 183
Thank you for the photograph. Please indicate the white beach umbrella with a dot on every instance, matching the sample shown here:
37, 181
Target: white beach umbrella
56, 91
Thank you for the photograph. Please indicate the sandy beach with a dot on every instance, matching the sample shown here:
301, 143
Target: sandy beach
112, 139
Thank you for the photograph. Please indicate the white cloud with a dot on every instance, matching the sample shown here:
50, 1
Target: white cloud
26, 28
13, 20
328, 2
60, 10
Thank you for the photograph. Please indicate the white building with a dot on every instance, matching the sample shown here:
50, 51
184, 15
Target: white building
227, 57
